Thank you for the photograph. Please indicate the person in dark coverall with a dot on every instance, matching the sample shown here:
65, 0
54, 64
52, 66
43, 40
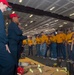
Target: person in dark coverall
6, 61
20, 48
14, 36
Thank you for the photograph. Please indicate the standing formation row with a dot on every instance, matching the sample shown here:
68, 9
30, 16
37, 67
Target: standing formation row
60, 45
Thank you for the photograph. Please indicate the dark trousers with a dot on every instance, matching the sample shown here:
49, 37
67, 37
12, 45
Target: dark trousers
72, 55
13, 48
30, 50
53, 50
43, 48
61, 53
7, 63
64, 50
48, 49
13, 45
69, 51
38, 50
19, 51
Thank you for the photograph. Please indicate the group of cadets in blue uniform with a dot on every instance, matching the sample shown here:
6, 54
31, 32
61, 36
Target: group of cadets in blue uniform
9, 46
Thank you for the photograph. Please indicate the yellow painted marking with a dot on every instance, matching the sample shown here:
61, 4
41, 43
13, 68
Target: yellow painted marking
31, 70
26, 59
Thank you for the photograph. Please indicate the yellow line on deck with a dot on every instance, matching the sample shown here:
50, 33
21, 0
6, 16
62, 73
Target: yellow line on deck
26, 59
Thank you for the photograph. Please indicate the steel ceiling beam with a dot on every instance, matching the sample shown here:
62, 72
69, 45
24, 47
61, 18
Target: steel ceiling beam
21, 8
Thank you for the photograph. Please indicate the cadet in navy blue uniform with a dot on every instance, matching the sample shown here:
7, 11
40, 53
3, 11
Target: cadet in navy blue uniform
14, 36
6, 61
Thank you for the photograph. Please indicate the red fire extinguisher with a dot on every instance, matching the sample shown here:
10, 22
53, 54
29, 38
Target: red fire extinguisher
20, 70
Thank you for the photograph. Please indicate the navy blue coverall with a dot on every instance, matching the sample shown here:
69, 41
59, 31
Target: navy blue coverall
14, 36
6, 61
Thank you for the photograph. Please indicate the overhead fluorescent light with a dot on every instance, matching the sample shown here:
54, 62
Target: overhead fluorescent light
72, 14
47, 24
20, 1
53, 28
31, 15
61, 26
13, 12
31, 21
56, 20
52, 8
65, 22
26, 25
46, 30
